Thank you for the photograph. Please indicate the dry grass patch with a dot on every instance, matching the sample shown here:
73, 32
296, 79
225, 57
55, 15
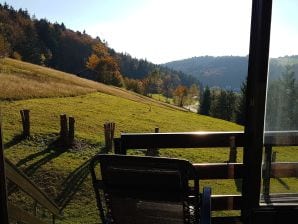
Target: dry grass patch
20, 80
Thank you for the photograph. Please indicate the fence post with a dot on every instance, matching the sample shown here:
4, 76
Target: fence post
25, 116
63, 130
153, 152
3, 189
233, 150
109, 131
71, 131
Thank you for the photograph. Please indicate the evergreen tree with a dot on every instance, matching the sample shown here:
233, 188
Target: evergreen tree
206, 102
281, 108
230, 105
241, 105
218, 107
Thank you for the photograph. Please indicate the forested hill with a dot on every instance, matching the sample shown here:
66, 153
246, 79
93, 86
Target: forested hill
224, 72
227, 71
53, 45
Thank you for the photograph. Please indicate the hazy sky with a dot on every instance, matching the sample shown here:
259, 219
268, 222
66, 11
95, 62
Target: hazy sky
166, 30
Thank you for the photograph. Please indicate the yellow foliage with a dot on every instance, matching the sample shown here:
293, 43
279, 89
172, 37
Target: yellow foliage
100, 49
92, 62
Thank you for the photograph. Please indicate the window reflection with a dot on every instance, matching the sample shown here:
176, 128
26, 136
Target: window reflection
280, 182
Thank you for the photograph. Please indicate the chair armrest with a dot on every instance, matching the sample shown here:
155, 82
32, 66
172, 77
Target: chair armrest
206, 206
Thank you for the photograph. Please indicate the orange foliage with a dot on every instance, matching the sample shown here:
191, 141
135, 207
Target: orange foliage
92, 62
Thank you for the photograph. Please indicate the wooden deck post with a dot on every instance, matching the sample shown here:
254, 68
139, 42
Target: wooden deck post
117, 145
25, 116
3, 189
109, 131
233, 150
63, 130
267, 172
153, 152
71, 131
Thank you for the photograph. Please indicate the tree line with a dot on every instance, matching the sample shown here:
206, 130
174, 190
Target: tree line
224, 104
282, 102
51, 44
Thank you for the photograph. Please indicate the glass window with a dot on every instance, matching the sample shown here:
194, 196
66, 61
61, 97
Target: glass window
280, 182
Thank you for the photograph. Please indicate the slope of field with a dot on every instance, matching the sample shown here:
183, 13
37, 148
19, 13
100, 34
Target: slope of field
20, 80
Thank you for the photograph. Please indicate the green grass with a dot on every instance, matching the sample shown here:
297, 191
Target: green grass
92, 110
63, 174
162, 98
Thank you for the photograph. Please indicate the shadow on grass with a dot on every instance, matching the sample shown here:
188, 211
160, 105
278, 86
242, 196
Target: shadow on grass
16, 139
73, 182
53, 150
283, 183
238, 183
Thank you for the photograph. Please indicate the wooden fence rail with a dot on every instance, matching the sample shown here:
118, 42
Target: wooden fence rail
179, 140
24, 183
211, 170
3, 189
11, 172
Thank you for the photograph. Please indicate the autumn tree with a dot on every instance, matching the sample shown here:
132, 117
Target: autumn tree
153, 83
192, 94
134, 85
180, 94
104, 65
4, 47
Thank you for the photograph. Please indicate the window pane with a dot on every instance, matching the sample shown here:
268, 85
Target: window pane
281, 123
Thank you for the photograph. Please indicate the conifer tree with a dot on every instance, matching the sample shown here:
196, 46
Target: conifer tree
206, 102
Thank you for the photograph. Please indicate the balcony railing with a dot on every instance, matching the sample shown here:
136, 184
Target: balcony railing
208, 171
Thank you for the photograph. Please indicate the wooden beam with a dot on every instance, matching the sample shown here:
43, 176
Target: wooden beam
227, 220
219, 170
284, 169
281, 138
3, 189
19, 214
23, 182
226, 202
255, 104
180, 140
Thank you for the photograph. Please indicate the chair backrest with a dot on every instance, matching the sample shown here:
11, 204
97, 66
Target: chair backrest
145, 189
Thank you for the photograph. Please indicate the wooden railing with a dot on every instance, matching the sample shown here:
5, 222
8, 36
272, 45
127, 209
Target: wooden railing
11, 172
206, 171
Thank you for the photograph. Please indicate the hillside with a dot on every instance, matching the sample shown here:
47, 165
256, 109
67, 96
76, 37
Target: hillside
21, 80
63, 174
226, 71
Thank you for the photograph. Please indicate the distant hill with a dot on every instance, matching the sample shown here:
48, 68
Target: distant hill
226, 71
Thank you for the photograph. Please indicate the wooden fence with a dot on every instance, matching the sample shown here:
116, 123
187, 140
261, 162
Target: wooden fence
208, 171
8, 210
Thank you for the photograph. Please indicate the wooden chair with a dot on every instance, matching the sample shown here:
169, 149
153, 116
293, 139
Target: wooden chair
143, 190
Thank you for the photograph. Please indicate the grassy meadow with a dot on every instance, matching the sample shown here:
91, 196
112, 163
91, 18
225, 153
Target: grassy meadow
63, 173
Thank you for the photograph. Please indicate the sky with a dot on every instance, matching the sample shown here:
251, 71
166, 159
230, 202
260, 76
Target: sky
166, 30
